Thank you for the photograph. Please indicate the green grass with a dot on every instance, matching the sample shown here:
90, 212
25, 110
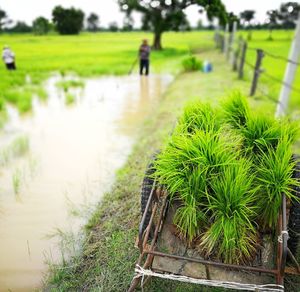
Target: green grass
113, 53
86, 55
280, 46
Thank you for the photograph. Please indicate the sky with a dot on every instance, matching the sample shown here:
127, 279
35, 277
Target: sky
108, 10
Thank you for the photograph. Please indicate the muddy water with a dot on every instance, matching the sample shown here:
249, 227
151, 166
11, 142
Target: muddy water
74, 153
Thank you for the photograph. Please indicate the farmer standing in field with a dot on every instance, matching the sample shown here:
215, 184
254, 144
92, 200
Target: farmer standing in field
8, 57
144, 54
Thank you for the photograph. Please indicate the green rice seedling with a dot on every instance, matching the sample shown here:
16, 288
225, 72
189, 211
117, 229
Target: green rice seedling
24, 103
2, 104
32, 166
41, 93
262, 133
17, 148
202, 153
16, 180
274, 176
191, 63
70, 98
3, 118
189, 219
11, 96
5, 155
231, 204
236, 110
199, 116
67, 84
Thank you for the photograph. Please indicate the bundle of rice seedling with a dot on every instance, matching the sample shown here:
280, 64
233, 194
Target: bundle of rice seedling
274, 176
227, 179
232, 234
199, 116
236, 110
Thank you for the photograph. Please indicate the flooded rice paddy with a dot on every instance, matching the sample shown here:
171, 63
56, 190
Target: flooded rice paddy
57, 162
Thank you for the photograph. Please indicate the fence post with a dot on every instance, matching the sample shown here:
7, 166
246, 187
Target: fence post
236, 55
242, 61
290, 73
225, 47
221, 43
230, 55
257, 71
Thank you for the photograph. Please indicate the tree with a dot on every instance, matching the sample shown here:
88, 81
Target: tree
68, 21
162, 15
231, 19
247, 16
288, 14
93, 22
3, 18
41, 25
128, 24
21, 27
113, 26
272, 21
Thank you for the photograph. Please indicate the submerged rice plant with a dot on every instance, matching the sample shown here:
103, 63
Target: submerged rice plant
67, 84
70, 98
16, 180
18, 147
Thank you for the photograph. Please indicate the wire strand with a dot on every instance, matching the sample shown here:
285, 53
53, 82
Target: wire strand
282, 58
275, 79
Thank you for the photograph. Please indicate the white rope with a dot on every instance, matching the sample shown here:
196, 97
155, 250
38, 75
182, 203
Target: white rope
280, 239
140, 272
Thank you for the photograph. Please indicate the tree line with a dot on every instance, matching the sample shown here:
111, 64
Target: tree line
158, 16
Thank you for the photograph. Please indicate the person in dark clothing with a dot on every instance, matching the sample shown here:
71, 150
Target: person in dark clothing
144, 54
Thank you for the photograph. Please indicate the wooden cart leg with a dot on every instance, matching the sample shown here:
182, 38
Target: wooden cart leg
134, 283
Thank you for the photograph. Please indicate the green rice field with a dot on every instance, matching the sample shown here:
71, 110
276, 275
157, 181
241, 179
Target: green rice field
114, 53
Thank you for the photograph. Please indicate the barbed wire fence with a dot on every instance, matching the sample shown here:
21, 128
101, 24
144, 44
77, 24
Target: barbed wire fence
236, 50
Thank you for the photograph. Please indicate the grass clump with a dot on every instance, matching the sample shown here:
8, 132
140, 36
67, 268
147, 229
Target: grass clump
229, 179
191, 63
